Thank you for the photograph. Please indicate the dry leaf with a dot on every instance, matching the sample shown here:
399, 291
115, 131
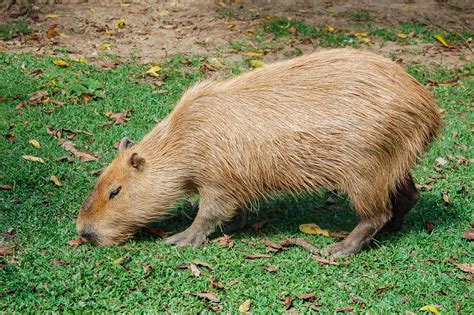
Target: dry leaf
104, 46
469, 268
83, 156
56, 262
430, 308
5, 187
254, 53
7, 251
120, 260
225, 241
37, 97
147, 269
429, 226
329, 29
153, 71
245, 307
309, 297
311, 228
441, 161
446, 200
361, 35
75, 242
306, 41
202, 263
257, 256
441, 40
287, 302
292, 30
33, 158
256, 63
270, 268
345, 309
52, 32
402, 36
119, 118
55, 180
468, 234
120, 23
35, 143
60, 63
272, 244
194, 270
213, 284
207, 295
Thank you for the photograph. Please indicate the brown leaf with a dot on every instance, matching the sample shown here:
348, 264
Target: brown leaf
292, 30
52, 32
213, 284
75, 242
64, 158
208, 296
445, 196
7, 251
55, 180
287, 301
325, 261
249, 242
5, 187
340, 235
37, 97
199, 262
270, 268
57, 262
86, 97
345, 309
257, 256
225, 241
244, 307
429, 226
306, 41
310, 297
195, 270
468, 234
8, 235
147, 269
11, 138
83, 156
272, 244
471, 224
119, 118
33, 158
469, 268
357, 300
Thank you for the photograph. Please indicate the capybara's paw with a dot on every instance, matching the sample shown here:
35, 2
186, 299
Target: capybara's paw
186, 238
338, 250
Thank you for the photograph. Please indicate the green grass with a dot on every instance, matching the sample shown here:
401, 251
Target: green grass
396, 273
13, 29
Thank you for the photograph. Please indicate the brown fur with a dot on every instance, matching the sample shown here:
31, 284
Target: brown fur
339, 119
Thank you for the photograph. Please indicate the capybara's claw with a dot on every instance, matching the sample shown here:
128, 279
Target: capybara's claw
186, 238
338, 250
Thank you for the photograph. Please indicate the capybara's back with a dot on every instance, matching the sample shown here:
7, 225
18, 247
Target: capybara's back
339, 119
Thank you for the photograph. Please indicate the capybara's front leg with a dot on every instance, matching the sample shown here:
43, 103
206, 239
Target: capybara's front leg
211, 213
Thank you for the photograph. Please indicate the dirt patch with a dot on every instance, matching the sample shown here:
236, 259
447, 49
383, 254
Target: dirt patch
152, 31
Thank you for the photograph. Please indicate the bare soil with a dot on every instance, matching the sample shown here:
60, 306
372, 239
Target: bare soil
154, 30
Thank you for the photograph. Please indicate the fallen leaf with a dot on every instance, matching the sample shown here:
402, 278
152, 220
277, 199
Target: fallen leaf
83, 156
153, 71
272, 244
257, 256
306, 41
311, 228
37, 97
35, 143
270, 268
195, 270
345, 309
75, 242
329, 29
104, 46
357, 300
55, 180
361, 34
469, 268
120, 23
52, 16
325, 261
430, 308
441, 161
11, 138
52, 32
147, 269
64, 158
33, 158
468, 234
119, 118
287, 301
245, 307
402, 36
248, 242
199, 262
207, 295
5, 187
292, 30
311, 297
256, 63
86, 97
121, 260
60, 63
429, 226
7, 251
56, 262
254, 53
213, 284
446, 200
441, 39
225, 241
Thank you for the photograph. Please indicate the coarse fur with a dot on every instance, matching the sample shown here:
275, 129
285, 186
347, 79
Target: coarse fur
339, 119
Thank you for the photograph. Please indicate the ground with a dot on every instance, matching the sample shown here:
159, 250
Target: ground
84, 81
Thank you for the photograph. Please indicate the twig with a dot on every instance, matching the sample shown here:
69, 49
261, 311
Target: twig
300, 242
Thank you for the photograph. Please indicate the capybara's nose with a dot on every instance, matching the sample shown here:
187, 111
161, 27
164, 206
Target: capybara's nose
87, 233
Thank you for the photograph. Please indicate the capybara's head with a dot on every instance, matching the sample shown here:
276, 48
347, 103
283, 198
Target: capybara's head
110, 213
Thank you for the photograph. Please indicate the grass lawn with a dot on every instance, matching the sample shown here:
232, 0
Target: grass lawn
396, 273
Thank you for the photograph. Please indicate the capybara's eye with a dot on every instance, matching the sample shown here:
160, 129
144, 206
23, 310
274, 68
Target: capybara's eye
115, 192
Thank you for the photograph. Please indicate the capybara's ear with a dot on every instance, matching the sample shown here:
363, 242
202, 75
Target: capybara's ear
125, 143
137, 162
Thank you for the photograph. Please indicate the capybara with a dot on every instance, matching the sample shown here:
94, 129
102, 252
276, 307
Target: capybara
339, 119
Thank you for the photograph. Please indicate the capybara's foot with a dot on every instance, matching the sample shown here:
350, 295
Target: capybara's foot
187, 238
236, 224
340, 249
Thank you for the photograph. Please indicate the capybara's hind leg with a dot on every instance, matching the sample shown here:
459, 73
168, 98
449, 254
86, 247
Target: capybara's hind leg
403, 200
211, 213
371, 220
